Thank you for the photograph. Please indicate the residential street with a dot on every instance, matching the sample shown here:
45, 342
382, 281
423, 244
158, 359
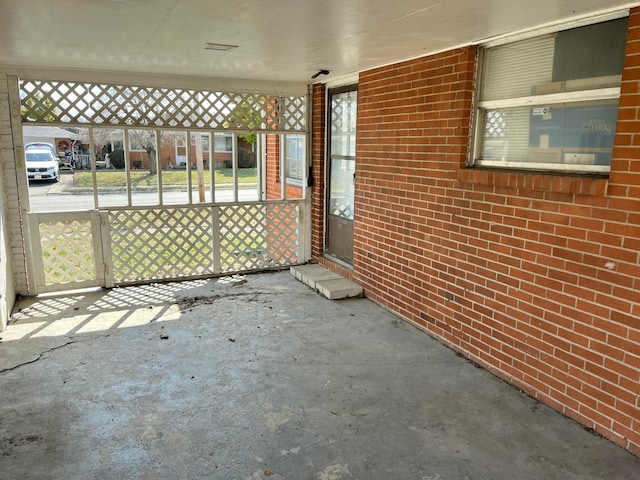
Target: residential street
56, 197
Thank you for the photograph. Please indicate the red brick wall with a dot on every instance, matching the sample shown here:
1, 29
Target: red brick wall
293, 191
625, 167
274, 191
536, 277
318, 144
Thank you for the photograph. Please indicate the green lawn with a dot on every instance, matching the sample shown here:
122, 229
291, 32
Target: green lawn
141, 178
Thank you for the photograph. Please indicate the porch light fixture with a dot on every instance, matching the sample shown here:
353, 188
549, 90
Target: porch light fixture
320, 72
219, 47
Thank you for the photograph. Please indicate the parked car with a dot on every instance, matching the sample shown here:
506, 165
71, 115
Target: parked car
42, 164
40, 146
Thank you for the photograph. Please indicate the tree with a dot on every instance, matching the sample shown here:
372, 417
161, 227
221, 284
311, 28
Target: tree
116, 158
244, 116
146, 140
34, 113
250, 138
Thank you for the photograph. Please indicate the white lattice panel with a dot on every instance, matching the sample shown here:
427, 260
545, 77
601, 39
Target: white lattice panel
102, 104
243, 243
67, 251
161, 243
257, 236
283, 233
293, 112
138, 245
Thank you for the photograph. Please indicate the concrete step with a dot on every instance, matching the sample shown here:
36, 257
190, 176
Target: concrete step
328, 283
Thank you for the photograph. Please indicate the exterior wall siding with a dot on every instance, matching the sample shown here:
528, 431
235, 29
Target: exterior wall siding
536, 277
9, 208
7, 290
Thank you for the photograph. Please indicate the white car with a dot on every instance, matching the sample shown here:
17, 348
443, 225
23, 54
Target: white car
42, 164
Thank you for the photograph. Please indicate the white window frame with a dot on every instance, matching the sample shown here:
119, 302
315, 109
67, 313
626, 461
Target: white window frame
571, 97
288, 159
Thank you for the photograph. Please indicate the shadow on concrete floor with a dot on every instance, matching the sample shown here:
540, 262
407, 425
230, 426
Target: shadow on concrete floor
258, 377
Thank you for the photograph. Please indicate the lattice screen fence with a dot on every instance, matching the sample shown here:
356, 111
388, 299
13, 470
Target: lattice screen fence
178, 243
126, 245
103, 104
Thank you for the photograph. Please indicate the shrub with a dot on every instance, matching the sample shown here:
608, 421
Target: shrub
116, 158
245, 159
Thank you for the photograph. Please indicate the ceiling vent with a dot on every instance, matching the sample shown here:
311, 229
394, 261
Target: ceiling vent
219, 47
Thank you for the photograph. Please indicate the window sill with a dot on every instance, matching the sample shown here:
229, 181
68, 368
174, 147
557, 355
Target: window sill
557, 182
291, 182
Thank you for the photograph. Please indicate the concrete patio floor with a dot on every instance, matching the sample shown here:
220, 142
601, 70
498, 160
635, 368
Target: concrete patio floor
259, 377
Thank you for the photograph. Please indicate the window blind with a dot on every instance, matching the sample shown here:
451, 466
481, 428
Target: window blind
513, 70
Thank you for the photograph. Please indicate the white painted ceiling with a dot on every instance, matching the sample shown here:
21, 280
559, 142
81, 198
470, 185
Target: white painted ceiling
278, 40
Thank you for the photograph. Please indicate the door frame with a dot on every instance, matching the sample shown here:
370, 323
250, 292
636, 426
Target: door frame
350, 87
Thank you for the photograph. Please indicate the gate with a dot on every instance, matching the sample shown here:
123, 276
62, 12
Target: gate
67, 251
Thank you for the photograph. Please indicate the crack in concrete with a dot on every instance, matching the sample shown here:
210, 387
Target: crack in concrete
15, 367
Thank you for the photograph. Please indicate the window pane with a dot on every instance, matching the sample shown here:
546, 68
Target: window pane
582, 58
591, 51
512, 70
506, 135
295, 156
342, 179
565, 135
296, 162
343, 123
